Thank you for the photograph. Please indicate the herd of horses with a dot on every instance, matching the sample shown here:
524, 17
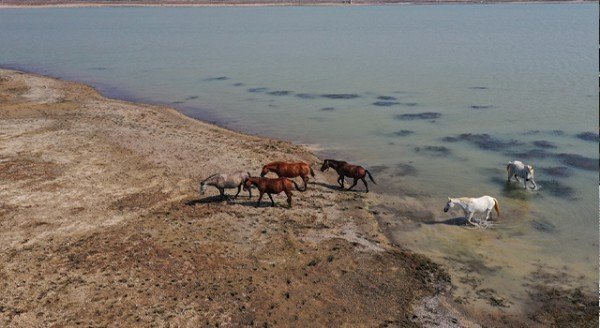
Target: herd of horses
286, 171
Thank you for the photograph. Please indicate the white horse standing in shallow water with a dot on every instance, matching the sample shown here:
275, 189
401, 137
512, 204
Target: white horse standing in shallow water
470, 206
222, 181
518, 169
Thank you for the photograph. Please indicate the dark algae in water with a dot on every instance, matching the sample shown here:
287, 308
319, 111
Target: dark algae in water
556, 171
588, 136
484, 141
403, 133
578, 161
340, 95
419, 116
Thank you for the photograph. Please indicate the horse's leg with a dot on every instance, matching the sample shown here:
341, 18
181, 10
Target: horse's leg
289, 198
533, 184
259, 198
365, 182
305, 179
487, 218
340, 181
272, 201
222, 193
354, 184
469, 216
239, 189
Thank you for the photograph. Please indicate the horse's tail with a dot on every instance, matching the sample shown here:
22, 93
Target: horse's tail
311, 171
496, 206
297, 186
508, 169
370, 177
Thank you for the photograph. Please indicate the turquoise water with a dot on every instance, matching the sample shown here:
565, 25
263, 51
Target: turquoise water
435, 100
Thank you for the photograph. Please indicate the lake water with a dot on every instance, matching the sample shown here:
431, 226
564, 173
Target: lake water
435, 100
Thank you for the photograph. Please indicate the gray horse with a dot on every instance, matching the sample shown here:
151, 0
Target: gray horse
517, 169
224, 180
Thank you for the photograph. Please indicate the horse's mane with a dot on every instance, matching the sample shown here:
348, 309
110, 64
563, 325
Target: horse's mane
335, 161
211, 176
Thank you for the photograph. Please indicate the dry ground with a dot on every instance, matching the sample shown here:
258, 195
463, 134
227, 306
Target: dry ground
101, 224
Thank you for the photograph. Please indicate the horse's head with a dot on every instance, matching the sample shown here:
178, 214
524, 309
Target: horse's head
248, 183
325, 166
528, 172
449, 205
265, 170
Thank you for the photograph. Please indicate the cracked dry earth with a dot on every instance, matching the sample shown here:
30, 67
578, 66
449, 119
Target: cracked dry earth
101, 224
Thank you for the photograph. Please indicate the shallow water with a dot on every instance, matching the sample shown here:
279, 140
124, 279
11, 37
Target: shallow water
435, 100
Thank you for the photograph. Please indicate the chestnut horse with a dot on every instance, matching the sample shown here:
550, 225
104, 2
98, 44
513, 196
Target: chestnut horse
272, 186
289, 170
344, 169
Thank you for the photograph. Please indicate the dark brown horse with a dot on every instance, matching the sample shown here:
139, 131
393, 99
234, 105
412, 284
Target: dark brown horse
289, 170
272, 186
344, 169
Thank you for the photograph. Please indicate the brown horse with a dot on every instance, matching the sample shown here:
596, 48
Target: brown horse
344, 169
289, 170
272, 186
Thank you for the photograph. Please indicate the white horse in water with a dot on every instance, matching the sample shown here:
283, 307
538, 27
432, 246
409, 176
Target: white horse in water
223, 180
471, 206
518, 169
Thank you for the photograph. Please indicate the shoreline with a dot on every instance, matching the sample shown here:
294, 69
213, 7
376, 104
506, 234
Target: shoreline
120, 4
125, 178
102, 223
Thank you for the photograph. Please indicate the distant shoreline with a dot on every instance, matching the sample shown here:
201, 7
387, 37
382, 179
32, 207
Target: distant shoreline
12, 4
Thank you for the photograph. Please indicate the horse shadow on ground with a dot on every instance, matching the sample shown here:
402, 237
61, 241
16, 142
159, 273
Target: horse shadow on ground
328, 186
230, 200
265, 203
356, 189
209, 199
458, 221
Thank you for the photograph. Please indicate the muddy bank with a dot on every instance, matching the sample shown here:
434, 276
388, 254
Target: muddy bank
101, 224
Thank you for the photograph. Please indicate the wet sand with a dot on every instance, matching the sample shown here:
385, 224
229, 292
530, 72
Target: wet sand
101, 224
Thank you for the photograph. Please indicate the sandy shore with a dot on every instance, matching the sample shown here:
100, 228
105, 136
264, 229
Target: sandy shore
101, 224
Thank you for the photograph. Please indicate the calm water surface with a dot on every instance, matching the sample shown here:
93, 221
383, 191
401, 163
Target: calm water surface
434, 99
